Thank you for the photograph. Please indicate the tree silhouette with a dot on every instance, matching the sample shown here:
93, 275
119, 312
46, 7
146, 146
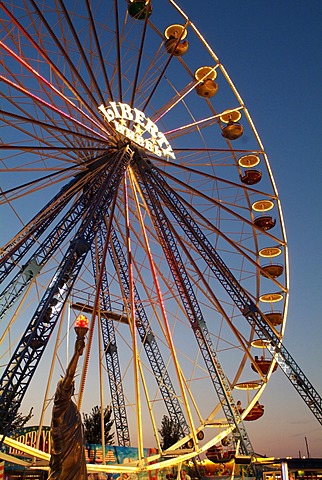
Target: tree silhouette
169, 432
93, 426
20, 421
10, 425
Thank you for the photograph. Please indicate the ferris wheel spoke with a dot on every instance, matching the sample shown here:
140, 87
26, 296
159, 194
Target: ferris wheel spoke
99, 50
221, 205
148, 79
37, 148
190, 227
139, 59
191, 127
209, 176
28, 120
32, 231
180, 98
167, 107
23, 190
44, 82
68, 133
64, 53
81, 51
41, 51
118, 51
157, 82
49, 106
215, 202
211, 296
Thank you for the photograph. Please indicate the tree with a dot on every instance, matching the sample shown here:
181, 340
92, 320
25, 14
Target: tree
93, 426
169, 432
11, 425
20, 421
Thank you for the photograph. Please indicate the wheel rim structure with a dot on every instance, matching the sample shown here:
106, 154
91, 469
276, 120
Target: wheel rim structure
123, 176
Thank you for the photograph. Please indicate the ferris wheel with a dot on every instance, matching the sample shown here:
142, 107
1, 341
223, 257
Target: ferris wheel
135, 191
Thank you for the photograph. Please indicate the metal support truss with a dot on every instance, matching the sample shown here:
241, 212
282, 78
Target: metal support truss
242, 300
109, 341
48, 246
192, 308
149, 341
18, 374
13, 252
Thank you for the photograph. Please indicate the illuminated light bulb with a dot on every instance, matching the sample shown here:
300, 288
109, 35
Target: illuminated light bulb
81, 325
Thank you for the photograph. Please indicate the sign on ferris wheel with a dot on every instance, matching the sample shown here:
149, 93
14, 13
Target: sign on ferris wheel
133, 124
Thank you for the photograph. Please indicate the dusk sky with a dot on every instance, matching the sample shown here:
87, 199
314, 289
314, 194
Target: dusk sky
272, 52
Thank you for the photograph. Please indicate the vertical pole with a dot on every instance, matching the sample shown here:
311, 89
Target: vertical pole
102, 402
284, 468
307, 447
136, 356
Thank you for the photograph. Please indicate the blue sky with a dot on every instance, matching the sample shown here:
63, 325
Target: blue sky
272, 51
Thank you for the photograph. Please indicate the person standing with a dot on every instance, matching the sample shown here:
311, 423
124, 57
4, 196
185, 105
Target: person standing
184, 475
